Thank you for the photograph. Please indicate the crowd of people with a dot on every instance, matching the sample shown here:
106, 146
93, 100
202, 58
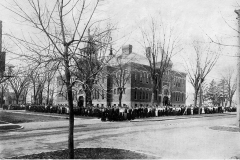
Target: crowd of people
116, 113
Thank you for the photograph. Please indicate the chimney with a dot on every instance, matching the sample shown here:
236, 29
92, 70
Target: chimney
127, 49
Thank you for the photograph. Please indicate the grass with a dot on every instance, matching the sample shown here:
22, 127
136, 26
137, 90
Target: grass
23, 118
224, 128
89, 153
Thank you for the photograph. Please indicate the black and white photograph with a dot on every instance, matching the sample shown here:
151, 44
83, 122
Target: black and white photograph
119, 79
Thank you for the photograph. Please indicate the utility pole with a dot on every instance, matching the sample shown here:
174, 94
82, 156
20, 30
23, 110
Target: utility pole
238, 70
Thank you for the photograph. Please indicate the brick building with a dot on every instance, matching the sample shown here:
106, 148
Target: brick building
138, 89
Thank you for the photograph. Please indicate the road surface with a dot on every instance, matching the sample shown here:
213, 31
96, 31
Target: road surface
181, 138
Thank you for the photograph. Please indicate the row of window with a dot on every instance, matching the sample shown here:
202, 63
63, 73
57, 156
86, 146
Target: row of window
97, 93
179, 82
144, 77
177, 96
141, 94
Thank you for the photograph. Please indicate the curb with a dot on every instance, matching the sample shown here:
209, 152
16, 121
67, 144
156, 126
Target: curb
175, 118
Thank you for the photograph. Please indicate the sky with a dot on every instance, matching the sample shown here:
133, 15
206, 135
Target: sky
192, 19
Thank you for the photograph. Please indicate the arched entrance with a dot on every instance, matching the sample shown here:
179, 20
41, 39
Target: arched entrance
80, 101
165, 101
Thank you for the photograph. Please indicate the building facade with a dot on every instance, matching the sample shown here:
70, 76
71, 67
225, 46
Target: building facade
137, 91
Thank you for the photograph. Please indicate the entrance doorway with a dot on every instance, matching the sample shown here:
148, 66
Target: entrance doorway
165, 101
80, 101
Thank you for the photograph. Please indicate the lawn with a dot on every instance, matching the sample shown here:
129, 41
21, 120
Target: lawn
23, 118
89, 153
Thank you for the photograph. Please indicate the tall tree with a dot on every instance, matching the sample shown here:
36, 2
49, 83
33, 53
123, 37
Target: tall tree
120, 74
61, 27
213, 93
200, 64
161, 44
38, 79
19, 82
231, 84
92, 59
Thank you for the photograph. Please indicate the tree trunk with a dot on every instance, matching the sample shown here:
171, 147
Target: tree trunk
70, 104
40, 97
48, 90
17, 99
195, 98
230, 102
120, 98
153, 93
200, 100
52, 92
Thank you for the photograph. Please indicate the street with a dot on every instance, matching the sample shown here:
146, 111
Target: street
180, 138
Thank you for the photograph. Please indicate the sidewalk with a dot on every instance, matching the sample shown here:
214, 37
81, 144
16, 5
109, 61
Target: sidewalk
165, 118
83, 121
58, 124
49, 124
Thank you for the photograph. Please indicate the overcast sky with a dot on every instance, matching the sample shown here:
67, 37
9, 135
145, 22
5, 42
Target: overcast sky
191, 18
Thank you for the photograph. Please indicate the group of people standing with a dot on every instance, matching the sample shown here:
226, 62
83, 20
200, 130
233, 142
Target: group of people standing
118, 113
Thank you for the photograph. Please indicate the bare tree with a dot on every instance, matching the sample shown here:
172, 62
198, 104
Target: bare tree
38, 79
201, 64
50, 74
19, 82
4, 87
161, 44
62, 29
231, 84
120, 74
91, 61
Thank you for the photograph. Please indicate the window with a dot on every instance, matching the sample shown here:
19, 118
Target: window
93, 94
143, 77
143, 95
140, 76
102, 94
114, 91
135, 76
150, 79
146, 95
135, 93
140, 94
123, 90
147, 78
98, 94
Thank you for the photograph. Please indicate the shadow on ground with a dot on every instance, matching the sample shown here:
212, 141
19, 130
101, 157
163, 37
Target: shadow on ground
89, 153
